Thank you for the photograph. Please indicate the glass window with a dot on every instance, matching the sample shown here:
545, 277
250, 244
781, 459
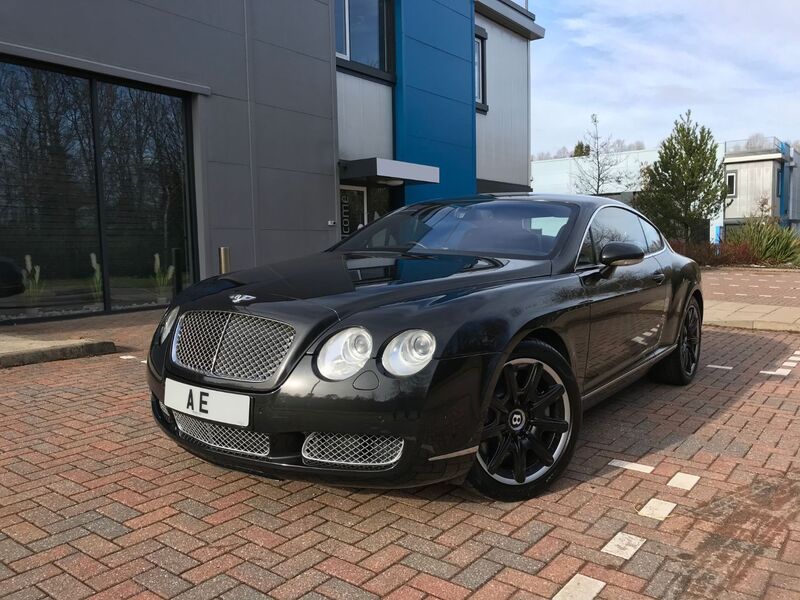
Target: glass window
586, 257
143, 165
361, 32
49, 239
480, 86
67, 236
340, 18
730, 181
497, 228
616, 225
652, 237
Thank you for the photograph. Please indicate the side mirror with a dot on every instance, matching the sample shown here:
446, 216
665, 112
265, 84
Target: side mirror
620, 254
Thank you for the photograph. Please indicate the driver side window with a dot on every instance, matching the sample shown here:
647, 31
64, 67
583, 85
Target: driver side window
613, 224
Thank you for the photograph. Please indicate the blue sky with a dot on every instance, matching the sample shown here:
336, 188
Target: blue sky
639, 64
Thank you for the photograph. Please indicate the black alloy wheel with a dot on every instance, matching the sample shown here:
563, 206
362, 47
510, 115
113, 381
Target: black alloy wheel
530, 426
679, 367
690, 340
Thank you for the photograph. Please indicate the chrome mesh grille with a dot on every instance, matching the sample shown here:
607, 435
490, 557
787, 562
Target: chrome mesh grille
351, 451
231, 345
223, 438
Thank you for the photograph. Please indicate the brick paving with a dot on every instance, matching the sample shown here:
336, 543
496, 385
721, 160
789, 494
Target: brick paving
775, 287
94, 501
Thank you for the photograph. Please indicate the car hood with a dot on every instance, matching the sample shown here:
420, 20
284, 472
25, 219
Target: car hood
350, 282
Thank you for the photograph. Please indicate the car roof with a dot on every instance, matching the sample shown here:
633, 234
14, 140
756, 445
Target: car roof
590, 202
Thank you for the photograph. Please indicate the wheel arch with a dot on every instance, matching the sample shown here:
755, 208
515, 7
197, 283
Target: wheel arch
698, 295
551, 337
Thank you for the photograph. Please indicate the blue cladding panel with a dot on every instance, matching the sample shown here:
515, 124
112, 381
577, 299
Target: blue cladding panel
434, 94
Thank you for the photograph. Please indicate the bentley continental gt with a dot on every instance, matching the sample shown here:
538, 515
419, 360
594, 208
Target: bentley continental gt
452, 340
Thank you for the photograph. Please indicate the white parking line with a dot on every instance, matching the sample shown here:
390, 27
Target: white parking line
683, 481
580, 587
781, 372
631, 466
657, 509
724, 368
127, 357
624, 545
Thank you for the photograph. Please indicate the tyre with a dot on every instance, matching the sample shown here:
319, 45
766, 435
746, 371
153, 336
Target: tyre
680, 367
531, 427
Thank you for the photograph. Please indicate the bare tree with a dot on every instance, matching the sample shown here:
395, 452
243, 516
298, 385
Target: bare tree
562, 152
756, 141
598, 171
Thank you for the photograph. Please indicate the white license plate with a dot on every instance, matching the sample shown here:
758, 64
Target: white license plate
213, 405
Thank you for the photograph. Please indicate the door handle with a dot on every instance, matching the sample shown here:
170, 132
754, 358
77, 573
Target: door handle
659, 278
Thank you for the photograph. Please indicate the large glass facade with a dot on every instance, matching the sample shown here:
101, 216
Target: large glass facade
142, 163
92, 194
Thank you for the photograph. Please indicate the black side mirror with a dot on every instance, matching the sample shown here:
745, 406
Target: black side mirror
620, 254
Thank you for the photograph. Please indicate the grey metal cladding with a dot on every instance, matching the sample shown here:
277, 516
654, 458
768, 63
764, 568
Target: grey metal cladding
294, 141
305, 190
227, 130
290, 80
299, 25
230, 187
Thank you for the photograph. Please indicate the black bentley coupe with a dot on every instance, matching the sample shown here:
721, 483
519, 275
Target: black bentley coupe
449, 340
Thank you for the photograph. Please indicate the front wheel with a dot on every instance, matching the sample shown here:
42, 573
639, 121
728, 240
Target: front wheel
531, 427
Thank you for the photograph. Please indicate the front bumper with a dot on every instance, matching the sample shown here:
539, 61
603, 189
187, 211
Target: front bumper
437, 414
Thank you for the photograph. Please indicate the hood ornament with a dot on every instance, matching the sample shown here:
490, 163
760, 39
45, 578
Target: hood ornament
238, 298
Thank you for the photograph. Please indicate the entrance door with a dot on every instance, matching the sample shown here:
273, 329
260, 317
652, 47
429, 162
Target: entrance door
352, 209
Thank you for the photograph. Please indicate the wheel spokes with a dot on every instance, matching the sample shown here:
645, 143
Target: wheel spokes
539, 449
494, 430
548, 398
550, 424
520, 464
499, 454
512, 384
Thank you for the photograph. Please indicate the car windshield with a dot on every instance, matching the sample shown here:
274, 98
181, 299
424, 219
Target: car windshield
532, 229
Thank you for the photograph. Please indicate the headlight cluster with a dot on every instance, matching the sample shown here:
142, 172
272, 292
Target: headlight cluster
346, 353
167, 323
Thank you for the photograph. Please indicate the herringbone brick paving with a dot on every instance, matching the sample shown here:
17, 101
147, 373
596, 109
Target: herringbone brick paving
95, 501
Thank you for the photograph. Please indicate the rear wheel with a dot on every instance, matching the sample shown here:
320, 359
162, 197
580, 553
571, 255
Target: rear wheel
680, 367
531, 427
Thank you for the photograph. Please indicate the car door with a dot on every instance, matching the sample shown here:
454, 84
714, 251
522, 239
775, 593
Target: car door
627, 303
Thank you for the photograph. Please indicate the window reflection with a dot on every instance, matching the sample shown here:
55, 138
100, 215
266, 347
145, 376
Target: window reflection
142, 162
51, 255
48, 200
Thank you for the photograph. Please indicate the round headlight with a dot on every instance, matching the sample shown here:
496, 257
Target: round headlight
168, 323
345, 354
409, 352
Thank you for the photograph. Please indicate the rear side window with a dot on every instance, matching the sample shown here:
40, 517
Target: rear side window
613, 224
652, 236
586, 257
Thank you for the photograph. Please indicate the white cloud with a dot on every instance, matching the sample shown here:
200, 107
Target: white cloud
639, 64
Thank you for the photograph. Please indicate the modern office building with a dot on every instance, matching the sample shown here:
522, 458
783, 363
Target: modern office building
139, 136
763, 179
